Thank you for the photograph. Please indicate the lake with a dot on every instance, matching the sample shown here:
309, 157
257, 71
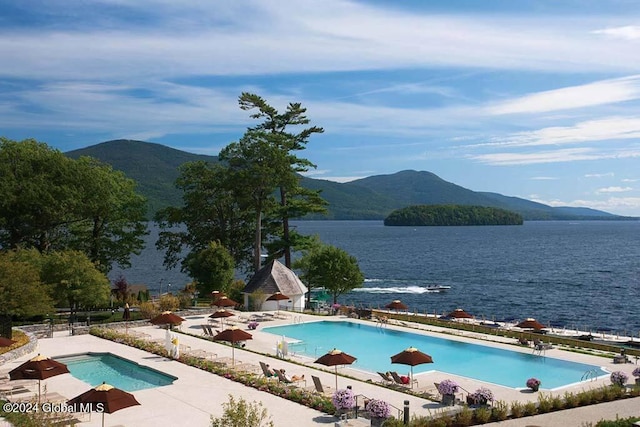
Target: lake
582, 274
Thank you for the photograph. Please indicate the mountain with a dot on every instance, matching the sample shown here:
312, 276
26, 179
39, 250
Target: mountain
155, 168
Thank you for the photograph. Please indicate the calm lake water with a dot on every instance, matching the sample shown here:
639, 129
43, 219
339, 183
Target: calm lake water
575, 274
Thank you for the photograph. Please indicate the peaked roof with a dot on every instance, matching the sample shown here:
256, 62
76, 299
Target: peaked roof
275, 277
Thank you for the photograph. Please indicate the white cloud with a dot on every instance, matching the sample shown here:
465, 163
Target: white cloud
598, 175
588, 95
614, 190
625, 206
602, 129
554, 156
629, 32
630, 180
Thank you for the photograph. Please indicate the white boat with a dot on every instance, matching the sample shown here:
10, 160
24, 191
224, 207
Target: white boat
437, 288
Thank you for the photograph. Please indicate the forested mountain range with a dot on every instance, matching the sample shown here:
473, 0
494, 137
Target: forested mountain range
155, 168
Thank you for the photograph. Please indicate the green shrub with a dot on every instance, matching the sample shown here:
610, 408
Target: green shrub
544, 403
242, 414
517, 409
557, 402
530, 408
619, 422
500, 411
571, 400
464, 417
585, 397
482, 415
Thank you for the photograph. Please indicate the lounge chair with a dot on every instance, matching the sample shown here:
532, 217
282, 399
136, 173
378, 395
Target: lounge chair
266, 371
398, 380
322, 389
283, 378
386, 379
523, 341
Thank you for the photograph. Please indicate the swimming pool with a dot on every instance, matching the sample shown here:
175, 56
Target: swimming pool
96, 368
374, 346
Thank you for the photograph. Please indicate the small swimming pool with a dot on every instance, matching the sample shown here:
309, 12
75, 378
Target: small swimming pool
374, 346
96, 368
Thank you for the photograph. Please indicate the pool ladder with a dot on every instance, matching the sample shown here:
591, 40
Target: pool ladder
591, 375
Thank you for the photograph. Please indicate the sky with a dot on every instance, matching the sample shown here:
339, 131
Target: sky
533, 99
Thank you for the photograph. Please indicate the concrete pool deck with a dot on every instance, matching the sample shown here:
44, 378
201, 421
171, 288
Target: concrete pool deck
197, 395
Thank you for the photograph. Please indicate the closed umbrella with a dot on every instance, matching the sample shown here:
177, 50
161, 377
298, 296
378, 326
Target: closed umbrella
126, 316
167, 318
105, 398
412, 357
233, 335
39, 368
334, 358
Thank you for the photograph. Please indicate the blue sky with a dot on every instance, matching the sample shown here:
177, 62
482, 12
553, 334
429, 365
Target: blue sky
535, 99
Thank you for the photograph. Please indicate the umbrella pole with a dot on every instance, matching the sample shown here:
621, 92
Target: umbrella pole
336, 368
233, 353
39, 392
102, 418
411, 379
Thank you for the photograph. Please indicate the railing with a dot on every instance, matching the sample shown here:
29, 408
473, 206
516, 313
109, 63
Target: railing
360, 404
591, 374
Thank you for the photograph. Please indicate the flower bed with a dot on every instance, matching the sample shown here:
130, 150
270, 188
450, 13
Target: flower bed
294, 394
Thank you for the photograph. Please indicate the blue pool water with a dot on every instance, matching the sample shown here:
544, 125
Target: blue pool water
374, 346
96, 368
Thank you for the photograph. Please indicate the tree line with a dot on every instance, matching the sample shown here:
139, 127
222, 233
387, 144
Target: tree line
420, 215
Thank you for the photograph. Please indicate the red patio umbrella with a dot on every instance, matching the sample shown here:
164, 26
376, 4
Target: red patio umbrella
104, 398
225, 302
396, 305
233, 335
530, 323
6, 342
39, 368
459, 313
278, 296
167, 318
412, 357
334, 358
221, 314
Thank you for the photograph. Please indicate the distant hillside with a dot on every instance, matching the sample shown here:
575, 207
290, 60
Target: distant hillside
155, 168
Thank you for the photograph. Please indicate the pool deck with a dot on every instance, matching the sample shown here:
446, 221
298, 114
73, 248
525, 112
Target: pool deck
197, 395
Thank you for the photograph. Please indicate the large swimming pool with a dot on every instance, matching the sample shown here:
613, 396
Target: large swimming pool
374, 346
96, 368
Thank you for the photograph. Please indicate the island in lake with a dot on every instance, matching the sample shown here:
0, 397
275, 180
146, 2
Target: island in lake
420, 215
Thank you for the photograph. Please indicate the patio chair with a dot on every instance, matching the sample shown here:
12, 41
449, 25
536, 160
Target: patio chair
386, 379
320, 388
283, 378
268, 372
398, 380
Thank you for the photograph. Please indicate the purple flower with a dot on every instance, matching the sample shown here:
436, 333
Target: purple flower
618, 378
636, 372
533, 383
448, 387
482, 394
343, 399
378, 408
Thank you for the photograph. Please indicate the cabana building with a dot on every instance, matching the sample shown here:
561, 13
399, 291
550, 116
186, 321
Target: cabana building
275, 277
